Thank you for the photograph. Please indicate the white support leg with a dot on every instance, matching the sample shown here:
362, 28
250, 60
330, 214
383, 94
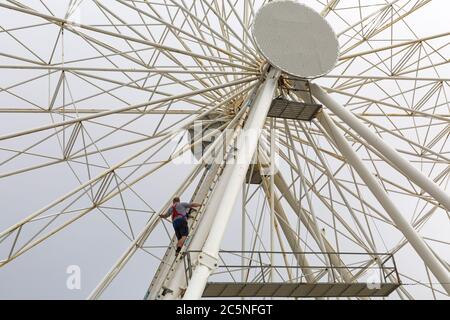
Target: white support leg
272, 197
244, 231
395, 158
176, 281
308, 222
235, 174
178, 277
291, 236
381, 195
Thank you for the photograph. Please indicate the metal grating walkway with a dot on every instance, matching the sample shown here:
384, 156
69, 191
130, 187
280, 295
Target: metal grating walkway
297, 290
252, 274
287, 109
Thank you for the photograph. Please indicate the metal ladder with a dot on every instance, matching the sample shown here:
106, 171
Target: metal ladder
201, 195
165, 269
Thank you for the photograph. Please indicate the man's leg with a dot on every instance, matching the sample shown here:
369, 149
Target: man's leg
184, 231
181, 242
176, 227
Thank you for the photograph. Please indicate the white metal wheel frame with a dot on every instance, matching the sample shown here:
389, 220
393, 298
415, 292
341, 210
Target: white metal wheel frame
98, 98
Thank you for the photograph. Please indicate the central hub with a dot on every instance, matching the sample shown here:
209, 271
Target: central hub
295, 39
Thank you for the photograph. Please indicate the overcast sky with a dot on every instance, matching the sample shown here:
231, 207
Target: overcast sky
94, 243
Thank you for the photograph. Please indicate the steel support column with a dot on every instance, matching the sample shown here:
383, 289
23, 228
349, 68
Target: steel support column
394, 157
383, 198
234, 174
291, 237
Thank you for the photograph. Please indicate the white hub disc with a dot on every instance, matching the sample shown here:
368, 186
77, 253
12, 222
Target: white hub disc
296, 39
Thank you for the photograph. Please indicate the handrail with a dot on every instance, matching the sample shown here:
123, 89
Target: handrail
386, 268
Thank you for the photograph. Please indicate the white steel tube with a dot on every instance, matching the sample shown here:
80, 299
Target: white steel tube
244, 231
235, 173
291, 237
308, 222
383, 198
178, 277
394, 157
272, 196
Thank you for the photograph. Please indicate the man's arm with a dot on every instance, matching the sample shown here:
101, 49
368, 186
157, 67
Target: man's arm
165, 215
189, 205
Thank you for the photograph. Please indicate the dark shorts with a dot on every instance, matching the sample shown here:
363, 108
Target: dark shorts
181, 228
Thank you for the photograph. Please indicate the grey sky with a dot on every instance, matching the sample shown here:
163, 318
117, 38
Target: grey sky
93, 243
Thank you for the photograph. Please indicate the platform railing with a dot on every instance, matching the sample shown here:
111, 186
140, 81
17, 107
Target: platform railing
370, 268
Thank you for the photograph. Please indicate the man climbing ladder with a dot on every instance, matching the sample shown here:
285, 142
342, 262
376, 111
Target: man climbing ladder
179, 212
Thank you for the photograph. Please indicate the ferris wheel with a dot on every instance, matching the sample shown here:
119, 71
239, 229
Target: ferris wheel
314, 134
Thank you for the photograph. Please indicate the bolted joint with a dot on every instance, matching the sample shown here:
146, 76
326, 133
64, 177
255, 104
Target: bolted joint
208, 261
